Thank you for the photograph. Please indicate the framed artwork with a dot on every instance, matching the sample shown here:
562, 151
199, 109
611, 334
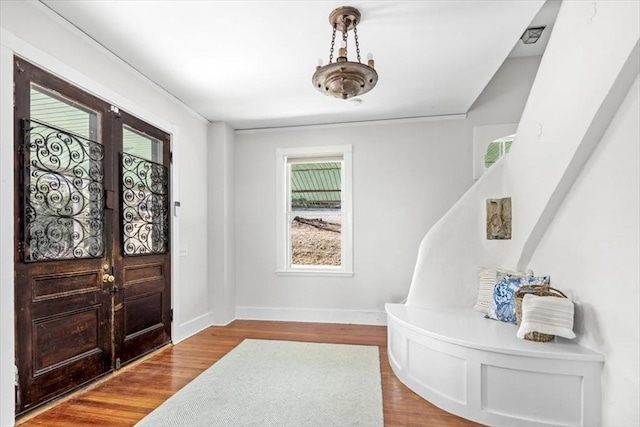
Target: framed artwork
499, 219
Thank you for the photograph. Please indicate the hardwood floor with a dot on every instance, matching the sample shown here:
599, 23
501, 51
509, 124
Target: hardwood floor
126, 397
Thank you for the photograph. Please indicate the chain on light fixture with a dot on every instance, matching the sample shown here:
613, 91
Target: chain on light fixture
345, 79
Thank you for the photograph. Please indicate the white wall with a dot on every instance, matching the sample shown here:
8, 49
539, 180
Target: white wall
221, 202
504, 97
584, 98
406, 175
510, 89
6, 241
587, 69
592, 251
32, 31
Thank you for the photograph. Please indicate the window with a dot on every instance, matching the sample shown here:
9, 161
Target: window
314, 211
141, 145
63, 204
497, 150
482, 137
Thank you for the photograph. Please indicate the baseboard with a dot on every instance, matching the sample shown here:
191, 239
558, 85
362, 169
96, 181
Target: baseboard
357, 317
191, 327
215, 322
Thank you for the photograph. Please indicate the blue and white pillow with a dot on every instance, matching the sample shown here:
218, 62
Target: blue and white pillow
503, 305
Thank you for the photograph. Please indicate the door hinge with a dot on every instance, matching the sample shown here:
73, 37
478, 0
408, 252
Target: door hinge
171, 157
171, 315
118, 364
115, 110
20, 246
18, 394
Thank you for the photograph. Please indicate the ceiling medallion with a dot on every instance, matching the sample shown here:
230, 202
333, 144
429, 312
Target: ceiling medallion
345, 79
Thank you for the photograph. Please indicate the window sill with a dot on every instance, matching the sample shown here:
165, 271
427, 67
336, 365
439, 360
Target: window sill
314, 273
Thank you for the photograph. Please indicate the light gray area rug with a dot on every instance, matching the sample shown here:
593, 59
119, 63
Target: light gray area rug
281, 383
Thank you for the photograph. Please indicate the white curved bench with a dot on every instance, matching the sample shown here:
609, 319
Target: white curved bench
478, 369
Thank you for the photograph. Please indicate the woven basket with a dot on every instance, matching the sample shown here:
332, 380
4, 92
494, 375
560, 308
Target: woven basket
541, 291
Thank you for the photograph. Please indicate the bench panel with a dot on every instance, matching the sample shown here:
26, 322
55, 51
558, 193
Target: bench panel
450, 377
532, 396
490, 376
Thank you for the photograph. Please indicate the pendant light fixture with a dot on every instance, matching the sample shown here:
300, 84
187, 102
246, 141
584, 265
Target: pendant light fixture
345, 79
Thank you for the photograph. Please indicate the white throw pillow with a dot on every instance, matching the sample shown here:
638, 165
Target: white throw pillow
487, 279
547, 315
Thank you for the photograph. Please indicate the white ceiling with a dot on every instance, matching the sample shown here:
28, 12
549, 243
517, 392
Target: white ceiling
249, 63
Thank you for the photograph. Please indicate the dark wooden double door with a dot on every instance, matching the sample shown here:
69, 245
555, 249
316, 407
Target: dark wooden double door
92, 263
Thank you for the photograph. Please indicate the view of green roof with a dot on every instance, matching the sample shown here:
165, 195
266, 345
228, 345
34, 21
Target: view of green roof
316, 185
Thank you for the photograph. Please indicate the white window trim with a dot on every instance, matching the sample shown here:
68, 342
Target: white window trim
283, 156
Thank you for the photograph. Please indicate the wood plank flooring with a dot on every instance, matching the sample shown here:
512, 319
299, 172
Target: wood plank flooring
126, 397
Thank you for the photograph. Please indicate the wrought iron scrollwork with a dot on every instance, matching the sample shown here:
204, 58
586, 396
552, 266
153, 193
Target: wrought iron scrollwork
145, 206
63, 213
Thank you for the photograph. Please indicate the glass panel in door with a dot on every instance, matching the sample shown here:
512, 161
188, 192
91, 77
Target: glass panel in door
145, 195
63, 214
141, 145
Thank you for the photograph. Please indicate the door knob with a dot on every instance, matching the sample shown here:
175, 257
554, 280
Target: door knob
108, 278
